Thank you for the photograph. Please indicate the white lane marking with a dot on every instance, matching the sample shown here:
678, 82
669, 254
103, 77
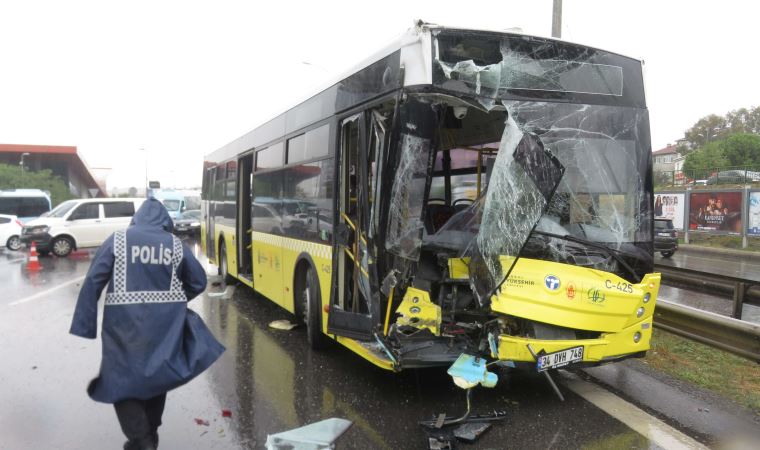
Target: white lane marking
650, 427
47, 291
23, 258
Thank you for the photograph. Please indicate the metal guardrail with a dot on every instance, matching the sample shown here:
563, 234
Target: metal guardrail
740, 285
732, 335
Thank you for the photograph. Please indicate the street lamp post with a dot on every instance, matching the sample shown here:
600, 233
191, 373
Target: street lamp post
146, 172
21, 163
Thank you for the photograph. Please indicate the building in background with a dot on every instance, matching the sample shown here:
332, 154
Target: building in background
64, 161
665, 158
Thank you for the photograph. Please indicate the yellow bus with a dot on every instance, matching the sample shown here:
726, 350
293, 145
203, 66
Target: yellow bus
460, 191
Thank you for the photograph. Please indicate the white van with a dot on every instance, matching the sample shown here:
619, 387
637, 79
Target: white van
177, 202
79, 223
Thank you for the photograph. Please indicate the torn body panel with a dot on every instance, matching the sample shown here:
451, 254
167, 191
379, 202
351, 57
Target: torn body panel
553, 248
519, 215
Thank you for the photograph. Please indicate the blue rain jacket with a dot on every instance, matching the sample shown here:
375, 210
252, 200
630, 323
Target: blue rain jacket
152, 342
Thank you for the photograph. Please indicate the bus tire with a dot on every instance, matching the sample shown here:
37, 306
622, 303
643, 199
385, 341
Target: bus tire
223, 270
309, 308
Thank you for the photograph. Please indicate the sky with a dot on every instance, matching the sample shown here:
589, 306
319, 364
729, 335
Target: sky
180, 79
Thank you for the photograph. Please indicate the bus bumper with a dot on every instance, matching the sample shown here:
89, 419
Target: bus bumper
609, 346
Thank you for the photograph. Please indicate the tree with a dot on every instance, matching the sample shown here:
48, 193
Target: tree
706, 130
713, 127
742, 150
11, 177
706, 158
744, 120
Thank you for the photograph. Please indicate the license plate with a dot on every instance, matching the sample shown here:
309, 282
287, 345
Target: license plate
559, 359
663, 234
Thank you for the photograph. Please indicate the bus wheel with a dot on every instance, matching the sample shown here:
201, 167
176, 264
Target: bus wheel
223, 270
310, 306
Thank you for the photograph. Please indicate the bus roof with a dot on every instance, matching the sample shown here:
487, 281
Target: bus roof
411, 50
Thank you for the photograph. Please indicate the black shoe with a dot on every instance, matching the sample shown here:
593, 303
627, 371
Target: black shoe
141, 444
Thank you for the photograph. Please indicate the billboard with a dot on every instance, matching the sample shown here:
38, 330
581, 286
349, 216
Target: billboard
753, 213
716, 211
670, 206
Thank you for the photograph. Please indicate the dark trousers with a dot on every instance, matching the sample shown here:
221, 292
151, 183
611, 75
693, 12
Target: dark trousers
139, 420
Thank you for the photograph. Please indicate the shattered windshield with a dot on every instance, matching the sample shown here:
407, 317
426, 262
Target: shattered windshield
488, 191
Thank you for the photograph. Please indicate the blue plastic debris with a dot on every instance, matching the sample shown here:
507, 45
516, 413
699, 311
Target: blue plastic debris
468, 371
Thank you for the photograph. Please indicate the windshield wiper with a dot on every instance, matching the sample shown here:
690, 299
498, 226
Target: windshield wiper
617, 255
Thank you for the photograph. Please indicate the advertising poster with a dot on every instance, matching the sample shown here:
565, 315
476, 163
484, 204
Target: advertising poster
670, 206
753, 213
716, 211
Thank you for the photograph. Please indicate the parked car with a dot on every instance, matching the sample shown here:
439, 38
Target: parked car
665, 237
734, 177
188, 223
25, 204
10, 232
79, 223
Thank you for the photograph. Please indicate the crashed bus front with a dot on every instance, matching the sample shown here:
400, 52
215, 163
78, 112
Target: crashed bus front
519, 221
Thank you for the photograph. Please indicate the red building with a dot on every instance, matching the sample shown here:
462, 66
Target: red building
63, 160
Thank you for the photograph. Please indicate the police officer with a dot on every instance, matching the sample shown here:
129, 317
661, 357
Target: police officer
151, 342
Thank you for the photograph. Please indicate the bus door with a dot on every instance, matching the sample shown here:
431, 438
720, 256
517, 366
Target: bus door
244, 202
353, 312
209, 213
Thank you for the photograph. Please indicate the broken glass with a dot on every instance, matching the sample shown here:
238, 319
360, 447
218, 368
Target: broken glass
407, 197
524, 177
523, 65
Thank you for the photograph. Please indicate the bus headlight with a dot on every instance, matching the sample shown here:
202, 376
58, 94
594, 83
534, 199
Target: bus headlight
636, 337
640, 312
647, 296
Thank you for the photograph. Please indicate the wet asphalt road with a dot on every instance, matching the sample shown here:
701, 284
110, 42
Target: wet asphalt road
268, 378
715, 264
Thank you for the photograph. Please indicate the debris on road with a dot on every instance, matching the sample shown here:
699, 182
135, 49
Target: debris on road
283, 324
467, 372
226, 413
316, 436
201, 422
470, 432
440, 440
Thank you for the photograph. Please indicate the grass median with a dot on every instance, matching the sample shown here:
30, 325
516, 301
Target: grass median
707, 367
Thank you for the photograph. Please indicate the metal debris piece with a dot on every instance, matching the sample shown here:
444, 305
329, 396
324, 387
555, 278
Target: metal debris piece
440, 443
315, 436
470, 432
226, 294
282, 325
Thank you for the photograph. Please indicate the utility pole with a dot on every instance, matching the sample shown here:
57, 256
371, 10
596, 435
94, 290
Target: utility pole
146, 171
557, 19
21, 163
